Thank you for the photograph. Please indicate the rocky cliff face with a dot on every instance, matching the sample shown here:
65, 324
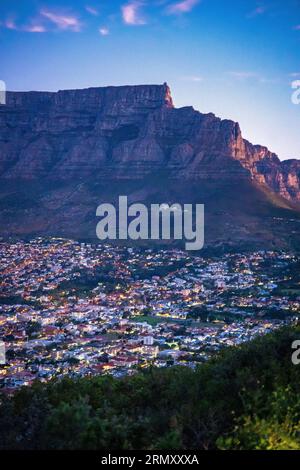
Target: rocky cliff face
121, 133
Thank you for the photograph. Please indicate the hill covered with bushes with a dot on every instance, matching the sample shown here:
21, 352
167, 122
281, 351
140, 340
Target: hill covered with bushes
248, 397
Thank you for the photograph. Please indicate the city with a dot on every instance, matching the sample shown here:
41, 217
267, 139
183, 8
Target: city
78, 309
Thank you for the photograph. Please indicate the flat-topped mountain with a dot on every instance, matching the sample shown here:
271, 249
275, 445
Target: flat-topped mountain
91, 143
128, 132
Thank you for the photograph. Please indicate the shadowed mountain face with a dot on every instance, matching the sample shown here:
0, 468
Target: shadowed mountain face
61, 154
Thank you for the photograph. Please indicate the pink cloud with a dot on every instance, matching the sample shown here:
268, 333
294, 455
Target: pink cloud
31, 28
62, 21
257, 12
92, 10
10, 24
131, 14
184, 6
35, 28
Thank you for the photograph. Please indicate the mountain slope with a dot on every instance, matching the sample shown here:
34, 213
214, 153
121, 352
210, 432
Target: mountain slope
61, 154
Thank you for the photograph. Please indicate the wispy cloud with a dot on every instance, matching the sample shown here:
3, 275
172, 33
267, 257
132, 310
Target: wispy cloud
260, 10
270, 81
62, 21
104, 31
10, 24
183, 6
131, 13
242, 75
245, 75
35, 28
92, 10
297, 27
192, 78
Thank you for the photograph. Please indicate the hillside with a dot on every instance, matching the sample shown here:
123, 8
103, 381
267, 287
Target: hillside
128, 132
62, 154
245, 398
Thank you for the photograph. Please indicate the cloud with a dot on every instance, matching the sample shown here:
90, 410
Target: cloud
104, 31
39, 23
93, 11
297, 27
184, 6
131, 14
62, 21
10, 24
269, 80
260, 10
30, 28
35, 28
241, 75
192, 78
244, 75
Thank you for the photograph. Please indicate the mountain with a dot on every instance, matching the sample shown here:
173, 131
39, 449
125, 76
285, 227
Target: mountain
61, 154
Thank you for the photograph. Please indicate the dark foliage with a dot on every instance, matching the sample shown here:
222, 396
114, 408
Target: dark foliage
247, 397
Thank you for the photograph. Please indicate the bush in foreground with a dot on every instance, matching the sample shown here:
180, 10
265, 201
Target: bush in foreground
245, 398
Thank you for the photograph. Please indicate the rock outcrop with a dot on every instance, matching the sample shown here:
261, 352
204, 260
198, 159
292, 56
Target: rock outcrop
62, 154
127, 132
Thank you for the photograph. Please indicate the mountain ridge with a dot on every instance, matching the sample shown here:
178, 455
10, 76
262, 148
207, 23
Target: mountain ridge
62, 153
130, 126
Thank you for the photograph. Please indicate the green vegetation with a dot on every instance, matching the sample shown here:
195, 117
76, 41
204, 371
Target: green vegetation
16, 300
87, 280
153, 321
248, 397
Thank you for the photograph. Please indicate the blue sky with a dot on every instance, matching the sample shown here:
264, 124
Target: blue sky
235, 58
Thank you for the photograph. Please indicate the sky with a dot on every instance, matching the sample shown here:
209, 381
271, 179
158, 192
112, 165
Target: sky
235, 58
